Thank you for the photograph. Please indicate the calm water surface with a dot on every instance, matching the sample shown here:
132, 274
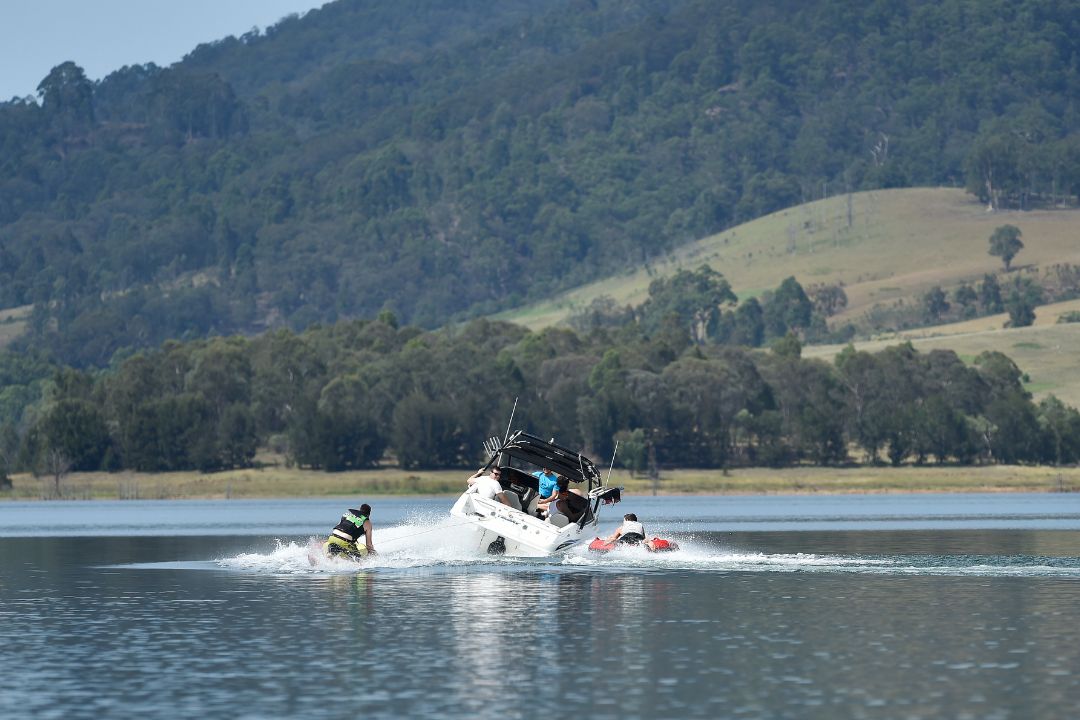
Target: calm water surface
777, 607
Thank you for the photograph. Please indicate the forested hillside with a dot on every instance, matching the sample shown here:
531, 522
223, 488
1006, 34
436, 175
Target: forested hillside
446, 159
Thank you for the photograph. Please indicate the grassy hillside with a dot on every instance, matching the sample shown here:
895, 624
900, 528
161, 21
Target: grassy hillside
898, 244
882, 245
12, 323
1047, 352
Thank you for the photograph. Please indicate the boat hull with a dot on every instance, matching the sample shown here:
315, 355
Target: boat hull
522, 535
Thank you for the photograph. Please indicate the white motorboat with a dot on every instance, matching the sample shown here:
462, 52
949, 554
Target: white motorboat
514, 528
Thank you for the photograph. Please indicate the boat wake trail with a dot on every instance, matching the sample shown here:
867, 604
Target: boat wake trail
420, 541
700, 557
441, 542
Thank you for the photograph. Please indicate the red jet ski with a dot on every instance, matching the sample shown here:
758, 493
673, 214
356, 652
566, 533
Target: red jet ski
654, 545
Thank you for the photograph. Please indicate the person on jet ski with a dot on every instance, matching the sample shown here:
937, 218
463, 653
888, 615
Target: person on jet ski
345, 538
631, 532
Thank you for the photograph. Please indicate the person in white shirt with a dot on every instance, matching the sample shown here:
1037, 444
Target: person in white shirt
487, 486
631, 532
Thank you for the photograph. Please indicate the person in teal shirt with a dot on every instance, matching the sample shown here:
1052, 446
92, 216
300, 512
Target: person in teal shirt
547, 485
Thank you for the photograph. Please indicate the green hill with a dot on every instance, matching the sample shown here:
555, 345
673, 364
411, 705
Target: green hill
1046, 351
883, 246
447, 159
892, 248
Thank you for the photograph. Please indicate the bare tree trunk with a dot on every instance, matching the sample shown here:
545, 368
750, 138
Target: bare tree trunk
654, 471
57, 464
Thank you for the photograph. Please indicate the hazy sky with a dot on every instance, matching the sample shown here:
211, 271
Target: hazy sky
104, 35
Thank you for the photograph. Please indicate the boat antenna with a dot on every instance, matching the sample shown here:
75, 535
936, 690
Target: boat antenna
510, 424
612, 466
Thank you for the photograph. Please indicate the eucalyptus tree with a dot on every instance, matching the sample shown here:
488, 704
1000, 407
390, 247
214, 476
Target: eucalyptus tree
935, 303
695, 298
608, 407
75, 430
67, 97
787, 309
1022, 297
1060, 425
966, 297
285, 370
748, 327
707, 394
1005, 243
864, 378
339, 431
990, 295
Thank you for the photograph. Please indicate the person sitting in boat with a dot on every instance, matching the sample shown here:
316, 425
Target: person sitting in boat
488, 486
556, 503
575, 504
345, 538
631, 532
566, 502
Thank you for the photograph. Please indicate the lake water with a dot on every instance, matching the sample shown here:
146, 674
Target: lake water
925, 606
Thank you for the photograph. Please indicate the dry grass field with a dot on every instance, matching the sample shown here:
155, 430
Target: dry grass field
1048, 353
251, 483
284, 482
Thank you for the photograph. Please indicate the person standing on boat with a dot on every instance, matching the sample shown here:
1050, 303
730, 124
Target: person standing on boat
345, 538
631, 532
547, 487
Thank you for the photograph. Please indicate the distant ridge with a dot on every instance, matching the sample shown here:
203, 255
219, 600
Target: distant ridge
445, 159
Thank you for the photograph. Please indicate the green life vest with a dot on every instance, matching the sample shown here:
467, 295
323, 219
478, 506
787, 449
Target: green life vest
351, 527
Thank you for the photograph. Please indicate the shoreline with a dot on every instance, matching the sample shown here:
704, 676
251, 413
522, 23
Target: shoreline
278, 482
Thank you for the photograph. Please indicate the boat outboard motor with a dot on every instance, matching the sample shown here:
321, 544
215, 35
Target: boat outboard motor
497, 546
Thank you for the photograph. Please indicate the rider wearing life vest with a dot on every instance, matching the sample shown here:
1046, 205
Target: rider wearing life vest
630, 532
345, 538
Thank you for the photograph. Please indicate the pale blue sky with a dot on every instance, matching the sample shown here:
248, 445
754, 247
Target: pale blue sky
104, 35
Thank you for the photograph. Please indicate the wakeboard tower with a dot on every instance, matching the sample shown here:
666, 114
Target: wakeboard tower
514, 529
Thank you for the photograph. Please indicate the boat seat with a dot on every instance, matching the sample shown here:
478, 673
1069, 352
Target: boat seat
576, 506
519, 487
513, 499
558, 520
519, 497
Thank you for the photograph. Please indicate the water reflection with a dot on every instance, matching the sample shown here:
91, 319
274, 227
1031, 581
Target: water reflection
485, 619
140, 627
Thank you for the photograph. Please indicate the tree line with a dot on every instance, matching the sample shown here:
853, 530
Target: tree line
358, 393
